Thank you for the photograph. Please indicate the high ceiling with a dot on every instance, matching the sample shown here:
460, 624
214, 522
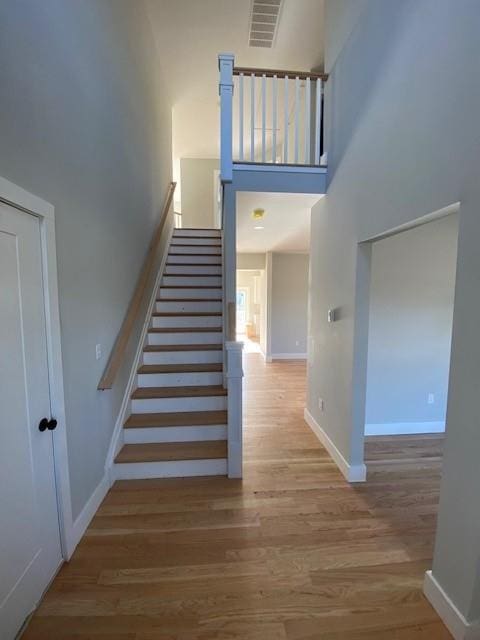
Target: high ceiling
190, 35
286, 223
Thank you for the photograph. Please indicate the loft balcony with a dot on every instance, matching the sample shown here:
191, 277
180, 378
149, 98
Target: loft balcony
271, 128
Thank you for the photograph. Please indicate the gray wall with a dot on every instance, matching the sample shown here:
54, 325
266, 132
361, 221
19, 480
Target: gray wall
411, 308
85, 124
402, 115
289, 296
198, 196
250, 261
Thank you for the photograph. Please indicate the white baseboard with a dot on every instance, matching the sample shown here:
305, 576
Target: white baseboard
288, 356
84, 518
403, 428
455, 622
352, 473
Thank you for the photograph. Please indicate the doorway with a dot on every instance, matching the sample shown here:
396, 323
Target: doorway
33, 465
242, 305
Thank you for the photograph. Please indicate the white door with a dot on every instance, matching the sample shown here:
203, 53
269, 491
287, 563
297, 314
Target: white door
242, 294
30, 552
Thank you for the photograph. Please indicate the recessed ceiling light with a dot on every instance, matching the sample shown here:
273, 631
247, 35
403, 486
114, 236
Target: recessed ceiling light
258, 228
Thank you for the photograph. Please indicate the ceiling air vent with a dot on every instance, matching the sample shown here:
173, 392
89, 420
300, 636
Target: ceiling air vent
264, 22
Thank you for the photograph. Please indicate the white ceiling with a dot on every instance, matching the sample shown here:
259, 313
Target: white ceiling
286, 222
191, 33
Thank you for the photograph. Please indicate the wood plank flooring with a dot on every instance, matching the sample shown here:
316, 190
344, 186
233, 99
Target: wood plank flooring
292, 552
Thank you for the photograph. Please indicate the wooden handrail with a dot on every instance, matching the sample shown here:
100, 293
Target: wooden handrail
280, 73
128, 323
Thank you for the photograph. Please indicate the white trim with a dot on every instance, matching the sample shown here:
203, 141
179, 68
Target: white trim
117, 441
288, 356
403, 428
278, 168
170, 469
453, 619
268, 306
352, 473
89, 510
21, 199
417, 222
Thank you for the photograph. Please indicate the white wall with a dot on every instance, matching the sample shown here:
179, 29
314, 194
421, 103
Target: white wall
289, 301
402, 115
250, 261
85, 124
410, 330
198, 195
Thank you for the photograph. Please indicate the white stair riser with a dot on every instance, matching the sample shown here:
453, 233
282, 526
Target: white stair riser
182, 233
188, 281
194, 242
204, 269
182, 357
198, 378
214, 337
163, 322
175, 434
191, 403
173, 469
203, 259
195, 249
165, 294
195, 305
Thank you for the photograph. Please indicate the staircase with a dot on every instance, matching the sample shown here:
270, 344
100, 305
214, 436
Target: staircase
178, 411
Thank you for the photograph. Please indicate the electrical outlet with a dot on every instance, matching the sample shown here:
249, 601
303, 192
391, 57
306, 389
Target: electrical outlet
98, 351
321, 404
431, 398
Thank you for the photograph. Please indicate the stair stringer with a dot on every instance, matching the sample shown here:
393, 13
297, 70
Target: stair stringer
117, 439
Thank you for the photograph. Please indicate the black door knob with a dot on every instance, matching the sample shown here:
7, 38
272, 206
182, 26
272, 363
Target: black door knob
45, 424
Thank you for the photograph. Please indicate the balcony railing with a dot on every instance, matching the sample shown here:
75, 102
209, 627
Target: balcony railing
269, 116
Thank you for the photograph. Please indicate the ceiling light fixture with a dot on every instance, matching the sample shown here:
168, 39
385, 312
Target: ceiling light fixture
257, 214
258, 228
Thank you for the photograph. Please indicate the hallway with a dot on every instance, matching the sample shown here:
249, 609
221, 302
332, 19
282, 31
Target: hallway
292, 552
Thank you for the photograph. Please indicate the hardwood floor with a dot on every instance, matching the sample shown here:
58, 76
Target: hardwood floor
292, 552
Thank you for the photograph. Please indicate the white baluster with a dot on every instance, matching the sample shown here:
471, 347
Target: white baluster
285, 123
297, 109
264, 117
240, 115
307, 121
318, 107
274, 119
252, 117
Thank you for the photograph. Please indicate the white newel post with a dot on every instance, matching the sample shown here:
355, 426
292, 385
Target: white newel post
234, 387
225, 88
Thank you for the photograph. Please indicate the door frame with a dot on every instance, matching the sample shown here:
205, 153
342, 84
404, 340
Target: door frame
247, 295
18, 198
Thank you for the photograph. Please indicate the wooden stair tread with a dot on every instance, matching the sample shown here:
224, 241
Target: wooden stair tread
199, 391
181, 368
170, 451
173, 253
185, 330
175, 237
193, 264
191, 275
189, 286
176, 419
181, 314
188, 300
183, 347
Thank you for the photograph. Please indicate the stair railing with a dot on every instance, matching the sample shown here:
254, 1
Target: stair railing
146, 277
270, 116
